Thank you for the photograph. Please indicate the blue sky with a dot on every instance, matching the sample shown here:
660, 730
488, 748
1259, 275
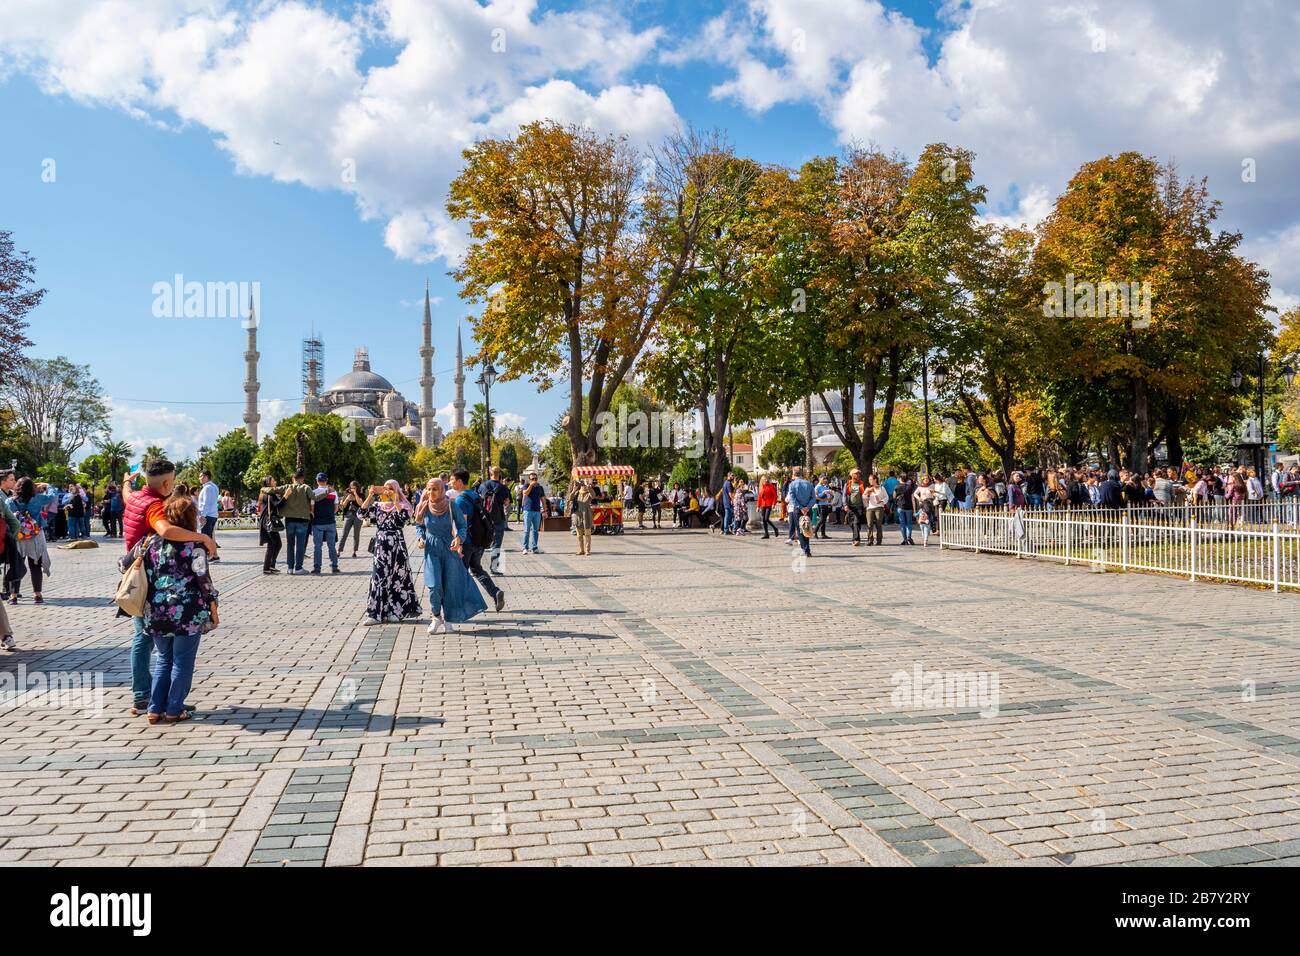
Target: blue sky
161, 117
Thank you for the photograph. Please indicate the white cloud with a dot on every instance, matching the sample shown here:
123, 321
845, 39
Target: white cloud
1037, 89
283, 89
176, 432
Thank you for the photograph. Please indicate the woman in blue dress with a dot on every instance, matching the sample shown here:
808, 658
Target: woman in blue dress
453, 596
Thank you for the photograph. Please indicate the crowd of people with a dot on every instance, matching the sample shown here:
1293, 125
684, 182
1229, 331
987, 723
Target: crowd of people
169, 530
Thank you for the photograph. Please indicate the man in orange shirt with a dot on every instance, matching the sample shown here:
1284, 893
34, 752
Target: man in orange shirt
144, 511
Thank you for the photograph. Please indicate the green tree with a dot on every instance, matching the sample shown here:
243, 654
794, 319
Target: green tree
58, 403
93, 469
394, 454
117, 454
229, 459
153, 453
715, 352
785, 449
329, 444
18, 296
508, 462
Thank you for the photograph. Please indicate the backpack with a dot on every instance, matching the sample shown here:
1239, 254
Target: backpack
481, 530
28, 527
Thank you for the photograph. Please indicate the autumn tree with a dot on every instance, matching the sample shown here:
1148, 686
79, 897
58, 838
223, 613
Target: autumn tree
996, 352
1155, 304
875, 242
577, 255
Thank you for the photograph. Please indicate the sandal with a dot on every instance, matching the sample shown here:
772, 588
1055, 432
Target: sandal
153, 718
183, 715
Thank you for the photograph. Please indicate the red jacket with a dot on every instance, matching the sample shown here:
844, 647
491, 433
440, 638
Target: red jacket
767, 495
134, 523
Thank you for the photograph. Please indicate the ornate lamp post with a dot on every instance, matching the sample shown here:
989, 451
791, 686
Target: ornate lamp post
1287, 374
485, 381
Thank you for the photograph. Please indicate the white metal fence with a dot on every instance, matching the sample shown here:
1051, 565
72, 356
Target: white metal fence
1283, 511
1134, 541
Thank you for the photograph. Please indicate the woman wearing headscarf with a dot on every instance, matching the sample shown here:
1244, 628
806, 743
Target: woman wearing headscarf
392, 596
580, 500
454, 598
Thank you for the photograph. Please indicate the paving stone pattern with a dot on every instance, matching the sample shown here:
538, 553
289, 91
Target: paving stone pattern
676, 698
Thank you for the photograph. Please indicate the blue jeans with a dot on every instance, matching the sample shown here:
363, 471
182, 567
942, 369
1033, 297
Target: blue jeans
173, 673
295, 530
905, 524
532, 525
141, 646
728, 520
498, 536
1035, 501
321, 533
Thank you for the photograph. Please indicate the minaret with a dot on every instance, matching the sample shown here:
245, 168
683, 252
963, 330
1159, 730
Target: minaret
459, 403
251, 356
426, 376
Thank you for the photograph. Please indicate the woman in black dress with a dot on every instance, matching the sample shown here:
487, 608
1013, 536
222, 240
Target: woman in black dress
392, 595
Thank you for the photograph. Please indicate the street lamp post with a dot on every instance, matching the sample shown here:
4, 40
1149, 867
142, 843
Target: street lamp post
1287, 374
940, 375
485, 382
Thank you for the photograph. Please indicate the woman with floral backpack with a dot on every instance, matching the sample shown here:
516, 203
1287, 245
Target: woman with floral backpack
29, 506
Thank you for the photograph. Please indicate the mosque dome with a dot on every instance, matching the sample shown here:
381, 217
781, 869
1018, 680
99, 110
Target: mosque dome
352, 411
361, 378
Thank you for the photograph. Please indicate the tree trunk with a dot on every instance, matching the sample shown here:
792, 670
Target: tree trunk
1141, 439
807, 436
1174, 435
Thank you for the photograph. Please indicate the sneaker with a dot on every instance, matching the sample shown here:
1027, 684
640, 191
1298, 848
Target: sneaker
315, 570
271, 571
537, 550
369, 622
11, 645
500, 599
449, 627
436, 624
38, 600
334, 571
14, 599
494, 569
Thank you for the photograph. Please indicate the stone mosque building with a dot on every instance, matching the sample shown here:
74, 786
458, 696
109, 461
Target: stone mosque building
365, 397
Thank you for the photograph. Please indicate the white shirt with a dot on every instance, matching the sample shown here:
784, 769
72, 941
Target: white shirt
208, 495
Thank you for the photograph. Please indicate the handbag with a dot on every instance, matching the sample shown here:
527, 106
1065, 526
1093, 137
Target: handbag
133, 590
371, 546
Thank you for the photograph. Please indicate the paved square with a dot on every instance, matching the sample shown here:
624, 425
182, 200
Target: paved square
676, 698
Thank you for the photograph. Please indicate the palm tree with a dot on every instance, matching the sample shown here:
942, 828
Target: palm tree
153, 452
116, 455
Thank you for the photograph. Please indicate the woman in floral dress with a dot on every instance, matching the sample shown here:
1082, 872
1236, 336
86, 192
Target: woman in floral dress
392, 596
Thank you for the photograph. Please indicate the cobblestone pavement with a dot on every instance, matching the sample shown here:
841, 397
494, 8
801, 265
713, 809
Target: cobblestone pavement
676, 698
